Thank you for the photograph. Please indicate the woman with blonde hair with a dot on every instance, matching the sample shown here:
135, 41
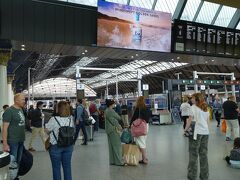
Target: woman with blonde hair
141, 112
60, 156
198, 142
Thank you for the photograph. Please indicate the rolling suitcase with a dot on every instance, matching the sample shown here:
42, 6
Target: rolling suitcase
90, 132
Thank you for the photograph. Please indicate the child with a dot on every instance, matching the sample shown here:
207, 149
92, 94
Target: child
234, 159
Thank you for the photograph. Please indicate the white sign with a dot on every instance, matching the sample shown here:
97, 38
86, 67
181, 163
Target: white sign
202, 87
80, 86
145, 87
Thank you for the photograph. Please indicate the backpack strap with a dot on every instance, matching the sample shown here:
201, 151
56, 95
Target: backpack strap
57, 121
53, 131
69, 121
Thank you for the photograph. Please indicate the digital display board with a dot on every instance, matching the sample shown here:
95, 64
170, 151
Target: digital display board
129, 27
197, 38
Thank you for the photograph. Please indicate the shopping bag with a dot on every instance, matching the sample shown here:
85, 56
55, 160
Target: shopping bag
126, 136
224, 126
131, 154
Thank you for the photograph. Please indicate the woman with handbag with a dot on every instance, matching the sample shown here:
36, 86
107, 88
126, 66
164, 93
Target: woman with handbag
141, 113
198, 140
113, 129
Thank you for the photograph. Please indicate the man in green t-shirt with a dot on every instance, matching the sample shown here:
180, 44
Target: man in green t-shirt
13, 134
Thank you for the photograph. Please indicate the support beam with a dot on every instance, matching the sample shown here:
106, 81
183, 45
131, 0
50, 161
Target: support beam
235, 19
105, 69
216, 15
198, 10
179, 9
154, 4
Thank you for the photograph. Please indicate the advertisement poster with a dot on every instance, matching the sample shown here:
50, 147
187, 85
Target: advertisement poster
161, 101
124, 26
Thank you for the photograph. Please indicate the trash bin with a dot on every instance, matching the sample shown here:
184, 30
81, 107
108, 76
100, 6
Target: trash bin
4, 163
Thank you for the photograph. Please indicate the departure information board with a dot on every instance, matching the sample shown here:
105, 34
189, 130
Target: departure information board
202, 39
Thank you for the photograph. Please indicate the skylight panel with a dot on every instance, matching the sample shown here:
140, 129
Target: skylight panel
225, 16
142, 3
166, 5
190, 10
81, 62
85, 2
207, 12
118, 1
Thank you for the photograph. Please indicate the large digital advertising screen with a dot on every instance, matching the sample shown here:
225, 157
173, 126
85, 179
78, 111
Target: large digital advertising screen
123, 26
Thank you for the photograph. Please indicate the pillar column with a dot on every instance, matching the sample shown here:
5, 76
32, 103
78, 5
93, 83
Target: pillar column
5, 55
10, 90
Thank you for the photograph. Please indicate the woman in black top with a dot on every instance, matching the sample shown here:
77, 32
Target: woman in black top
141, 112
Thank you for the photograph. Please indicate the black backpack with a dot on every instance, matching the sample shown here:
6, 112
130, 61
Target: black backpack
65, 135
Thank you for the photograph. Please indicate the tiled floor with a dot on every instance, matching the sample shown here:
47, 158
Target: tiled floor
167, 153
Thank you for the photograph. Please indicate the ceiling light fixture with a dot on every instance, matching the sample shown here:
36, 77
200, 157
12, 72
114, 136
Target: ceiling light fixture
206, 62
136, 54
23, 45
172, 59
86, 51
83, 53
213, 60
132, 57
22, 49
178, 57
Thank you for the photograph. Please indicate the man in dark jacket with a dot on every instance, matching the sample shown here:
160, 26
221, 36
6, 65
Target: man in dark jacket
231, 110
37, 124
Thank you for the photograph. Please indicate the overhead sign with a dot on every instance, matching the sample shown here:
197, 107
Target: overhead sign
202, 39
204, 82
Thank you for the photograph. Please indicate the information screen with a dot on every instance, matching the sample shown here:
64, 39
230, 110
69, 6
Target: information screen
197, 38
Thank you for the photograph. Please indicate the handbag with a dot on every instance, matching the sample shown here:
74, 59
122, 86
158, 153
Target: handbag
126, 136
139, 127
190, 131
224, 126
47, 143
131, 154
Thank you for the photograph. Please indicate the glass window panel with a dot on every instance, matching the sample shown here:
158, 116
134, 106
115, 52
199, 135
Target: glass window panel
207, 12
142, 3
85, 2
190, 10
166, 5
225, 16
238, 26
118, 1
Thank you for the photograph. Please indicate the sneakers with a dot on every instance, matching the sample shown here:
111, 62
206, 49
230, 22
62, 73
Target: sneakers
32, 149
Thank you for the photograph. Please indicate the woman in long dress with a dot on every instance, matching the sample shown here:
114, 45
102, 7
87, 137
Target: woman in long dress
113, 129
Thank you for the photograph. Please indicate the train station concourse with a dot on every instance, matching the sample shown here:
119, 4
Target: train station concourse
119, 89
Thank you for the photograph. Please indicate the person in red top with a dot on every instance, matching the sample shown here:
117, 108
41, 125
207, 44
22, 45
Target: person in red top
94, 112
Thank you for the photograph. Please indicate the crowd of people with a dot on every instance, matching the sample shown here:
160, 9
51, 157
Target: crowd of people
65, 124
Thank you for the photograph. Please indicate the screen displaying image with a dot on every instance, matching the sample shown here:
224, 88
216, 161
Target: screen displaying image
124, 26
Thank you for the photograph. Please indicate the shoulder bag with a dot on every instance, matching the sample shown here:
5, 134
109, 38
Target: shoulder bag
139, 127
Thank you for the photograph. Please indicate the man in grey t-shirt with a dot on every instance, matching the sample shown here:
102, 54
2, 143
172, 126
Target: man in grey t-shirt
13, 134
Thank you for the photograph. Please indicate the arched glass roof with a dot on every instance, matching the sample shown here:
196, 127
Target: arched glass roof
194, 10
58, 87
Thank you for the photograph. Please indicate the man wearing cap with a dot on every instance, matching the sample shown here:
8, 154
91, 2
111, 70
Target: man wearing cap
36, 117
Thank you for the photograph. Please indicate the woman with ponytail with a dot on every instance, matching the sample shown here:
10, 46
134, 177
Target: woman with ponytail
198, 143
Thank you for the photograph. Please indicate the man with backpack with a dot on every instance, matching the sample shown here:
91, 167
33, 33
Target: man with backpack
80, 120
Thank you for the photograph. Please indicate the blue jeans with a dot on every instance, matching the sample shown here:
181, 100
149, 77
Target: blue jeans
61, 156
16, 150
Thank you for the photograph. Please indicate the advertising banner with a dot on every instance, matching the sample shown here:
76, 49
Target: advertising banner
129, 27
